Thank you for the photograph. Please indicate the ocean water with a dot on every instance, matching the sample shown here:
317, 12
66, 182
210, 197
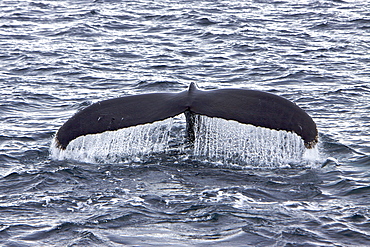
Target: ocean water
57, 57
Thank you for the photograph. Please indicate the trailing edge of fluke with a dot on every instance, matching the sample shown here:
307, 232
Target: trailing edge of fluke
245, 106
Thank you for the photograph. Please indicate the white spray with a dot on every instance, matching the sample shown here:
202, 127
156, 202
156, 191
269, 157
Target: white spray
216, 140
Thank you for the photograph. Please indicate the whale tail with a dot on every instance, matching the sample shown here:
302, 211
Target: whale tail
245, 106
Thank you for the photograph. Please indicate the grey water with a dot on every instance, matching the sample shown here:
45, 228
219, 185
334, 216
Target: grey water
57, 57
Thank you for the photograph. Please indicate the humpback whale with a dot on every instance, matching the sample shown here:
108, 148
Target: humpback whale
253, 107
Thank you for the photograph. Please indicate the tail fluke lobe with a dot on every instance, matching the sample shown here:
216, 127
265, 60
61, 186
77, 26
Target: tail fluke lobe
256, 108
245, 106
120, 113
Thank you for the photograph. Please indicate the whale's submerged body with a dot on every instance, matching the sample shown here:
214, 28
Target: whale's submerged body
257, 108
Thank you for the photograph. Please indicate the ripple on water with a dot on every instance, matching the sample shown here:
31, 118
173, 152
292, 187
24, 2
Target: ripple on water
58, 57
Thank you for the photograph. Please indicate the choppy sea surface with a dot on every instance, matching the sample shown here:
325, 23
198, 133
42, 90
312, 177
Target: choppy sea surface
57, 57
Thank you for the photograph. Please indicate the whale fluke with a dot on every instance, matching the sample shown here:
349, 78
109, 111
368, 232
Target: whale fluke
245, 106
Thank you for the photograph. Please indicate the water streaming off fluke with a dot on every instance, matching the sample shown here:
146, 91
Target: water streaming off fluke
232, 142
118, 146
216, 140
